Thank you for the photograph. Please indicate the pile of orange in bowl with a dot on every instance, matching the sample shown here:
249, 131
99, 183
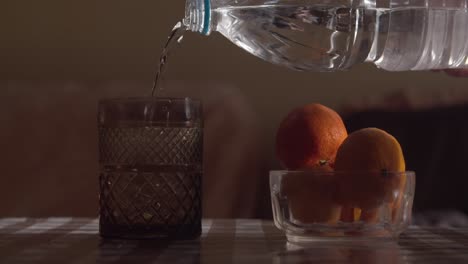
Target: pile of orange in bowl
339, 184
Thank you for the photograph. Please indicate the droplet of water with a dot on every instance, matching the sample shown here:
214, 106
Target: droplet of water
179, 40
147, 216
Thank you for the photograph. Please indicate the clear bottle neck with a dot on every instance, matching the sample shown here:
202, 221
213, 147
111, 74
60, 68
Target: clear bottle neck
198, 16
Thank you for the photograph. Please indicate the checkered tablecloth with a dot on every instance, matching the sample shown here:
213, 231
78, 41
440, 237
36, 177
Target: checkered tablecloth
76, 240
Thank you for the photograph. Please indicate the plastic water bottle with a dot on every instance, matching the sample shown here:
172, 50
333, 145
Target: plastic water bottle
330, 35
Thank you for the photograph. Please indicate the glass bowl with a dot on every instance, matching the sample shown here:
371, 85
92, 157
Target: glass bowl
317, 206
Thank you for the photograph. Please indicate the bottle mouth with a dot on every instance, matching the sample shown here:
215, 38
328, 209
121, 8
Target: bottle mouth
198, 16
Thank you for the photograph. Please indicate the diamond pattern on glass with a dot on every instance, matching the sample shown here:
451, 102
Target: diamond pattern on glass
150, 199
150, 180
150, 145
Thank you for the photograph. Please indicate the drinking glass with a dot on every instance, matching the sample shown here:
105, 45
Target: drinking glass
150, 155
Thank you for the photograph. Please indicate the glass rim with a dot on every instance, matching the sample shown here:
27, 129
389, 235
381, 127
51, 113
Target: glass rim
137, 111
145, 99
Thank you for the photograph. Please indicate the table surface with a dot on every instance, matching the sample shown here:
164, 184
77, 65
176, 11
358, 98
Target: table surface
76, 240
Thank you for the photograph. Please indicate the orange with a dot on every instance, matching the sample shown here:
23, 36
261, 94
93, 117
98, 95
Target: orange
370, 149
309, 136
366, 164
310, 195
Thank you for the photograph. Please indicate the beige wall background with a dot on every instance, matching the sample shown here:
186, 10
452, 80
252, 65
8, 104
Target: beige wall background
97, 41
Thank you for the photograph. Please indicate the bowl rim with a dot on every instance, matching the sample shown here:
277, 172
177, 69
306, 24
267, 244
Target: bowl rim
408, 173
